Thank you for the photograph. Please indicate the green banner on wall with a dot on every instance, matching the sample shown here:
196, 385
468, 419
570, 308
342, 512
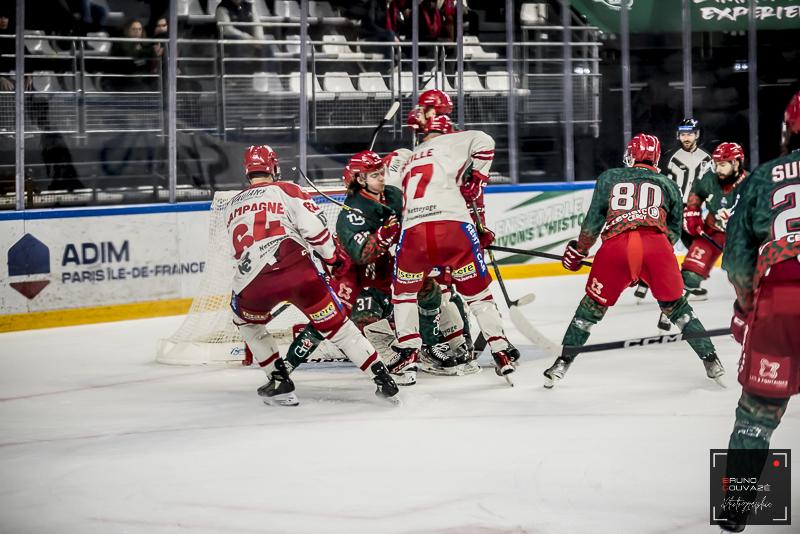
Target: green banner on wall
659, 16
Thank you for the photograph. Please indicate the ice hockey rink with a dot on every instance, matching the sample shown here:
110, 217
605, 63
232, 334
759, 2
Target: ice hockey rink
97, 437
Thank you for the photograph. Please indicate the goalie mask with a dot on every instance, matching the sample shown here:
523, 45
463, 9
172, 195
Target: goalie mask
436, 99
261, 159
361, 165
643, 148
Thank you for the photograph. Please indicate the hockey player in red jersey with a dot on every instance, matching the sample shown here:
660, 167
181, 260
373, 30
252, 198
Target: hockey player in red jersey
638, 213
439, 232
762, 259
273, 227
717, 189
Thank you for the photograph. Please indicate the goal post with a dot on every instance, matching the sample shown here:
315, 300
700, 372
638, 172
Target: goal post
207, 334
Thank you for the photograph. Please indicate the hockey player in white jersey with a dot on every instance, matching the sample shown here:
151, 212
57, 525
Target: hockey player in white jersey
273, 227
439, 232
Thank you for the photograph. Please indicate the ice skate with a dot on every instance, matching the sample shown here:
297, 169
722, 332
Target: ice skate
714, 368
696, 294
556, 372
664, 323
403, 366
640, 292
467, 360
387, 388
279, 391
503, 365
513, 354
436, 360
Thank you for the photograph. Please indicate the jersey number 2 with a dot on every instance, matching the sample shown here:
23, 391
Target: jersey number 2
262, 229
787, 221
624, 196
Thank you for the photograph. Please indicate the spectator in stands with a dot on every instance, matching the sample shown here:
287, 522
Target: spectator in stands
430, 20
449, 11
239, 11
134, 61
8, 49
242, 11
377, 22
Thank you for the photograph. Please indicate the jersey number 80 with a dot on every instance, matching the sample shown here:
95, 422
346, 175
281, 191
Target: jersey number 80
626, 196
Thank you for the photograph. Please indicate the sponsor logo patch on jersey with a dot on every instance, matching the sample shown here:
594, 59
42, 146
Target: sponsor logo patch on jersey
325, 313
403, 276
466, 272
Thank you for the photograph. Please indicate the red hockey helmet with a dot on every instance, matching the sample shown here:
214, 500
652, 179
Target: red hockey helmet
728, 152
436, 99
439, 123
362, 163
643, 148
791, 117
416, 118
261, 158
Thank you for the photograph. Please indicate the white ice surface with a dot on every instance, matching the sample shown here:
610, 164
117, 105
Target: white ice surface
96, 437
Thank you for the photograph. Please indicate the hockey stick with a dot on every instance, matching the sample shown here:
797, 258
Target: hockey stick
386, 118
329, 198
517, 319
711, 240
643, 341
535, 253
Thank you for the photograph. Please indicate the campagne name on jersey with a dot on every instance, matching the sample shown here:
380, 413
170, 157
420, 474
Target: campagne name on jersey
636, 215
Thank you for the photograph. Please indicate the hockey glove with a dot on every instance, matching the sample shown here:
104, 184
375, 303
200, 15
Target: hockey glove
339, 263
692, 222
739, 322
486, 237
572, 257
472, 190
388, 233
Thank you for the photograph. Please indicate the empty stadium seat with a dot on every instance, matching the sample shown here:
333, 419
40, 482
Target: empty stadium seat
190, 8
45, 81
98, 47
288, 9
340, 84
319, 92
337, 46
533, 14
473, 85
473, 49
437, 81
406, 82
267, 82
324, 11
39, 44
497, 80
373, 82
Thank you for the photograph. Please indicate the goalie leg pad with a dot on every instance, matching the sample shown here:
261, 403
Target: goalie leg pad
354, 345
261, 343
406, 320
485, 310
682, 315
588, 314
451, 323
381, 335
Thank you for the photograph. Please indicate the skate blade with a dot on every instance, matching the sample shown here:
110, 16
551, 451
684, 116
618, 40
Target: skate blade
696, 298
409, 378
508, 379
549, 381
286, 399
719, 381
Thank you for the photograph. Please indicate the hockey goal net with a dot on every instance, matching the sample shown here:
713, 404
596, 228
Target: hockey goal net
208, 335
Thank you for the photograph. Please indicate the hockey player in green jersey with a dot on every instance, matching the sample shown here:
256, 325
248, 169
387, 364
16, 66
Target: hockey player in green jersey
762, 259
638, 212
367, 232
717, 189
